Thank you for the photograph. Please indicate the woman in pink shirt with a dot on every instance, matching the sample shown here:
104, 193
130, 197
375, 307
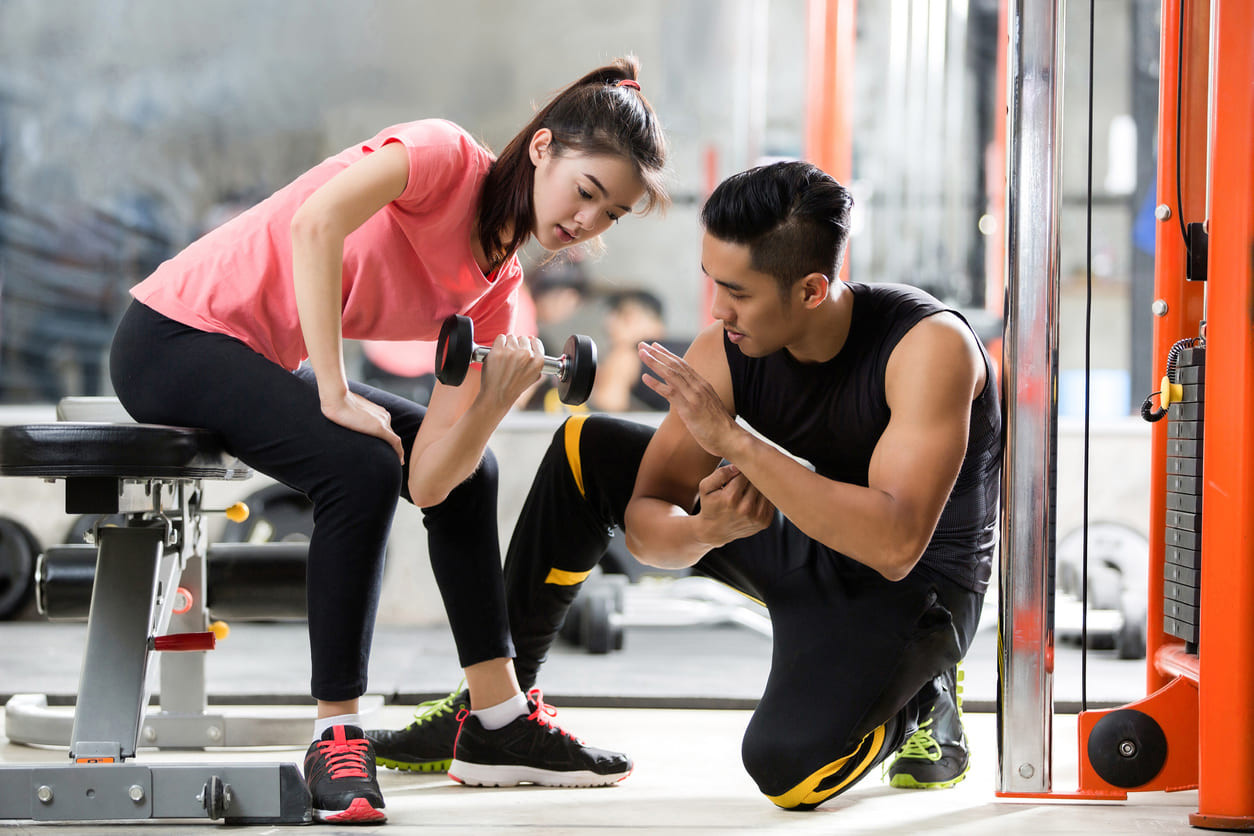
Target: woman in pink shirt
383, 241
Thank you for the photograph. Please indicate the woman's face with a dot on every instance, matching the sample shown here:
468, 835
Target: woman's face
578, 196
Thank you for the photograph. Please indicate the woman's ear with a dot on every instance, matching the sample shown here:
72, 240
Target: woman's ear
538, 148
814, 289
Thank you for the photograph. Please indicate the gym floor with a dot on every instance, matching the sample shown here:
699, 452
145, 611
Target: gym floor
677, 698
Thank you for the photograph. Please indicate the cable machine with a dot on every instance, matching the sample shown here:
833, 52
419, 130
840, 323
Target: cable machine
1193, 728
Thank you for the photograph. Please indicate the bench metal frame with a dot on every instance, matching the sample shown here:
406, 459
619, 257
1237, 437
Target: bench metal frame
139, 568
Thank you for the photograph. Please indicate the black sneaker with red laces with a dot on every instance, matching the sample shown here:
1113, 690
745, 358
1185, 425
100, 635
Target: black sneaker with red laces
531, 750
340, 772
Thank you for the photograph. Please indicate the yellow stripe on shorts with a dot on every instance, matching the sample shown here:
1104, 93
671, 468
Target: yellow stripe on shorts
805, 793
574, 426
561, 577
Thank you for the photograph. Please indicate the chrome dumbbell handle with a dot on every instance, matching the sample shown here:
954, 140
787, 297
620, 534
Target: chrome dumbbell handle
552, 365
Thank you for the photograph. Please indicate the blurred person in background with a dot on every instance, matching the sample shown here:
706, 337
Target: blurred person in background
632, 317
558, 290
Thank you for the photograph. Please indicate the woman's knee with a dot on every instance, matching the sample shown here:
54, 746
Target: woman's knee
365, 472
477, 493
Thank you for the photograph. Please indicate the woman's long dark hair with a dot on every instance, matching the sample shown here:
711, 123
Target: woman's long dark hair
595, 115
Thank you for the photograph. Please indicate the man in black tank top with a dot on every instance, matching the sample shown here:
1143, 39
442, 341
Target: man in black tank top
866, 528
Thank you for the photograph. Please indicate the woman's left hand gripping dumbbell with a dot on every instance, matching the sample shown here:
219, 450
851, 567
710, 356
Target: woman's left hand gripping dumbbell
513, 364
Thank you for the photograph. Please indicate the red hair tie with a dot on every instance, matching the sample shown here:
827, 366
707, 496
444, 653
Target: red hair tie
627, 82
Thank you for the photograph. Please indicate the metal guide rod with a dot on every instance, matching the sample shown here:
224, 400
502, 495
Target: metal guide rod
1025, 624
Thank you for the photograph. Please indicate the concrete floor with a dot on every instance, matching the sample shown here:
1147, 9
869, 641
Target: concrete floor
677, 698
688, 780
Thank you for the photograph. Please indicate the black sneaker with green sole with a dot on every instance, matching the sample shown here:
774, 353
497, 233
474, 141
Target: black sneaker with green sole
425, 745
935, 756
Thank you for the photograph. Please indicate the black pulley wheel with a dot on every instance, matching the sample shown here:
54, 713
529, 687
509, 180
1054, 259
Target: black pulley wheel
1127, 748
453, 350
575, 386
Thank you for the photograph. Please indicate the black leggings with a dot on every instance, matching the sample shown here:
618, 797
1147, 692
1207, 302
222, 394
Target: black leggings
854, 655
165, 372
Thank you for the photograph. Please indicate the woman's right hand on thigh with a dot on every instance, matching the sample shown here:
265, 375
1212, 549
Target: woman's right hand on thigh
364, 416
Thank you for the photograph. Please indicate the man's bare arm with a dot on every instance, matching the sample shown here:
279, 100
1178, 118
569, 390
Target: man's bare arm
933, 375
676, 475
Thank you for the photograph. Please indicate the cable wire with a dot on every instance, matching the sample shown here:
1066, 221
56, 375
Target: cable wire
1184, 230
1088, 357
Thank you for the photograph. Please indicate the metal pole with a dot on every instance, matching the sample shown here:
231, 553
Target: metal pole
1026, 634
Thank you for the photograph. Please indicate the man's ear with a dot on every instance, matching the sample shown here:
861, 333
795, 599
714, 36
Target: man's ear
538, 148
814, 289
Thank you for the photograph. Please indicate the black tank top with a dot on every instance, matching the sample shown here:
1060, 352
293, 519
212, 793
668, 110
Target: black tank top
832, 415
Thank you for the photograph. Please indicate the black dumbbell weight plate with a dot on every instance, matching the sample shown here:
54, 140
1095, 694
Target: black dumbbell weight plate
453, 349
575, 386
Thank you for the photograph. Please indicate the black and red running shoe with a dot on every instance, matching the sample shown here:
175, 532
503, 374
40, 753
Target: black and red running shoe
340, 773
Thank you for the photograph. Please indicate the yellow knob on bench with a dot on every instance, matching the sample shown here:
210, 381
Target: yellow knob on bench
220, 630
237, 512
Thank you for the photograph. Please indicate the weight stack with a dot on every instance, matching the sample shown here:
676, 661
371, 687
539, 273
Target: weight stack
1182, 568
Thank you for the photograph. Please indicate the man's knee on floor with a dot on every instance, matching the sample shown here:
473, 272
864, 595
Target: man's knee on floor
780, 769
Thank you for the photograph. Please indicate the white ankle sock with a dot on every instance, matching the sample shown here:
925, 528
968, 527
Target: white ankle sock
502, 714
321, 724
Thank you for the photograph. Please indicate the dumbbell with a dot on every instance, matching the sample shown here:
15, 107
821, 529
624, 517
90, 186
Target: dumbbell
576, 369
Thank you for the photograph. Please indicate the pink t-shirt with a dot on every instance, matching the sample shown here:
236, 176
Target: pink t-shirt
406, 269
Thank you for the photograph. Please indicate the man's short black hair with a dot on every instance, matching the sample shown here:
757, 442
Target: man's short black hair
793, 216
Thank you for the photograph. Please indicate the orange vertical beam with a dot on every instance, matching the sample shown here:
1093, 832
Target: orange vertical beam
1226, 644
995, 181
709, 182
831, 31
1184, 299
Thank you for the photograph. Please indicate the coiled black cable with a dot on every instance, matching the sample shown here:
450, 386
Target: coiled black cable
1147, 408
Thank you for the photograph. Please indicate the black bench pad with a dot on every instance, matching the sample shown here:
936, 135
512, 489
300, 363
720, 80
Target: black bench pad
135, 451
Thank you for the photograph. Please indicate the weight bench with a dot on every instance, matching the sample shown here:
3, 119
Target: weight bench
145, 569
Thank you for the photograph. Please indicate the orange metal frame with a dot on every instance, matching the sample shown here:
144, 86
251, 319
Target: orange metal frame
1226, 653
831, 31
1202, 701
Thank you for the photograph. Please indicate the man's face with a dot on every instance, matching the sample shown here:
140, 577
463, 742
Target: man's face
754, 314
